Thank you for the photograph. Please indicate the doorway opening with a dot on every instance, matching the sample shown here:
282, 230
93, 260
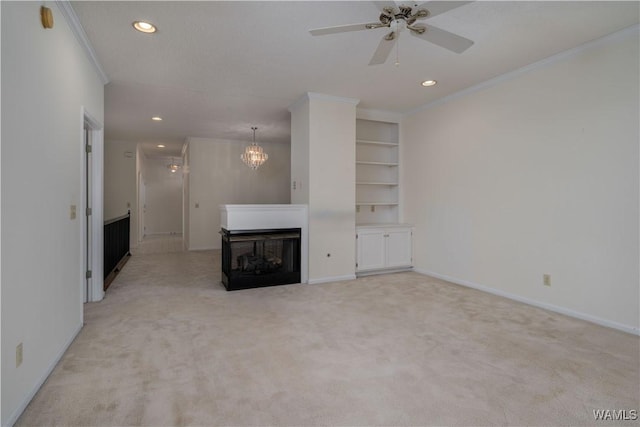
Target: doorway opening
142, 206
160, 205
88, 256
91, 209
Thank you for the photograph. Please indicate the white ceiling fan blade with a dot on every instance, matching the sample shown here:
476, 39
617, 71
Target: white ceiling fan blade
341, 29
445, 39
436, 7
384, 49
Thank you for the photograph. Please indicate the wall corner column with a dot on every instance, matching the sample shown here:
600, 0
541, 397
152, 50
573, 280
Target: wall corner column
323, 133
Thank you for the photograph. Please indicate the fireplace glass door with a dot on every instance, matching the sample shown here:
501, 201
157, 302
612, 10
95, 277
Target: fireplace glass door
259, 258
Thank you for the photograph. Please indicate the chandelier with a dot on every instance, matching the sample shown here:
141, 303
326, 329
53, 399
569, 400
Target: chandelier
173, 166
254, 156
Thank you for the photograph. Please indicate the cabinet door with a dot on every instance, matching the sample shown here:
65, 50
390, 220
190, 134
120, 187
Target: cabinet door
370, 249
398, 247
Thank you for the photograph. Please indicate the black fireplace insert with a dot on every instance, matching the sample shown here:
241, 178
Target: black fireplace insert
257, 258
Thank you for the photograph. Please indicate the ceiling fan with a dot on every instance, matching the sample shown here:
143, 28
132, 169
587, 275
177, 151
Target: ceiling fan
396, 17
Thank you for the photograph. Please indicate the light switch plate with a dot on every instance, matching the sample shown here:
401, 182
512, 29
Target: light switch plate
72, 212
18, 355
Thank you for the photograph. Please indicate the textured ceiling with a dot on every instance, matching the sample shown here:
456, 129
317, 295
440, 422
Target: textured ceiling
214, 69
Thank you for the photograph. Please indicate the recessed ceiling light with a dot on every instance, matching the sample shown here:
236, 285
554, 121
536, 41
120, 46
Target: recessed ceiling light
156, 118
428, 83
144, 27
160, 146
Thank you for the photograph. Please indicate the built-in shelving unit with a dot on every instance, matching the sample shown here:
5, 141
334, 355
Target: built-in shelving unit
383, 244
377, 176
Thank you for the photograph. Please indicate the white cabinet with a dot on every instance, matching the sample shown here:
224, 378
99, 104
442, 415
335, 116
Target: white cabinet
371, 249
398, 247
383, 248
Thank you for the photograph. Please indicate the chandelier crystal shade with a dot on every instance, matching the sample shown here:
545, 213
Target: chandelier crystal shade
254, 156
173, 166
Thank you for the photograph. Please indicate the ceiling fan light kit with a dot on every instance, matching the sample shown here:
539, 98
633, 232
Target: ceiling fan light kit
403, 16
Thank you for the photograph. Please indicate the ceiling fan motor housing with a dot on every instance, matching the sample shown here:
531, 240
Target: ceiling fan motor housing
387, 17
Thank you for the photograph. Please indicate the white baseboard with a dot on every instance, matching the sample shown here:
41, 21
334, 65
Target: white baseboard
164, 233
365, 273
203, 248
331, 279
20, 409
562, 310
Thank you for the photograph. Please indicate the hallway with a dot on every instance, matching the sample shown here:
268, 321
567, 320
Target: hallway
159, 244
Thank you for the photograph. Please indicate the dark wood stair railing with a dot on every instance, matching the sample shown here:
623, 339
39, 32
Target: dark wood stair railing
116, 246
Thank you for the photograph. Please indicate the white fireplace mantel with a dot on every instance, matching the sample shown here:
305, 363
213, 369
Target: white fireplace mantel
260, 217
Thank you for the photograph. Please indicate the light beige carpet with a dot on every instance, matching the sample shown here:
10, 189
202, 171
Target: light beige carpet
169, 346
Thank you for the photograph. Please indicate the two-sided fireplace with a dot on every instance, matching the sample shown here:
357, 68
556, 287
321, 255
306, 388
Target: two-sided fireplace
256, 258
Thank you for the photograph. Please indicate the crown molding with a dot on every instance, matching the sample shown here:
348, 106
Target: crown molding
633, 30
321, 97
76, 28
304, 99
332, 98
378, 115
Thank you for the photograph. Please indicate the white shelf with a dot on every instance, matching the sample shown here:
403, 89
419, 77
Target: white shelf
382, 225
367, 142
376, 163
376, 204
390, 184
377, 171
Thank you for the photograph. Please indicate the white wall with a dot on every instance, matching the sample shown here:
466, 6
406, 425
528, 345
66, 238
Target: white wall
140, 195
537, 174
323, 129
217, 176
120, 184
46, 80
300, 152
163, 197
185, 195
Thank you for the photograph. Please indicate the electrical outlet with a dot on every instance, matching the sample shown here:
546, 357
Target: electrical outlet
546, 279
72, 212
18, 355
